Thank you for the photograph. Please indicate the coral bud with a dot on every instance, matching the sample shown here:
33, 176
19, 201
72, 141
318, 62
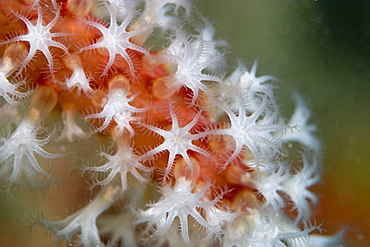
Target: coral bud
164, 87
119, 81
13, 56
72, 61
79, 8
43, 101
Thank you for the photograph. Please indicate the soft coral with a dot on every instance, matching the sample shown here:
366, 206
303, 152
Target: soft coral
39, 37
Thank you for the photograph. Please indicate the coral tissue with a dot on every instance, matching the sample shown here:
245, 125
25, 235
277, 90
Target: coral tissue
191, 154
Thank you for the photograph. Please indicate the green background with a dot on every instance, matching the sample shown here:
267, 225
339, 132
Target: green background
321, 49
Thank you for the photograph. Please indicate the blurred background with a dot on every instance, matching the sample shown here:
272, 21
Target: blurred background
322, 49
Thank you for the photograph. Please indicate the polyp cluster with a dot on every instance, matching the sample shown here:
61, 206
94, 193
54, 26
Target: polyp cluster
197, 155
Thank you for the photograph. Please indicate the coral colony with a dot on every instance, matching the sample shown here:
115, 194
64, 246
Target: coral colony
190, 154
